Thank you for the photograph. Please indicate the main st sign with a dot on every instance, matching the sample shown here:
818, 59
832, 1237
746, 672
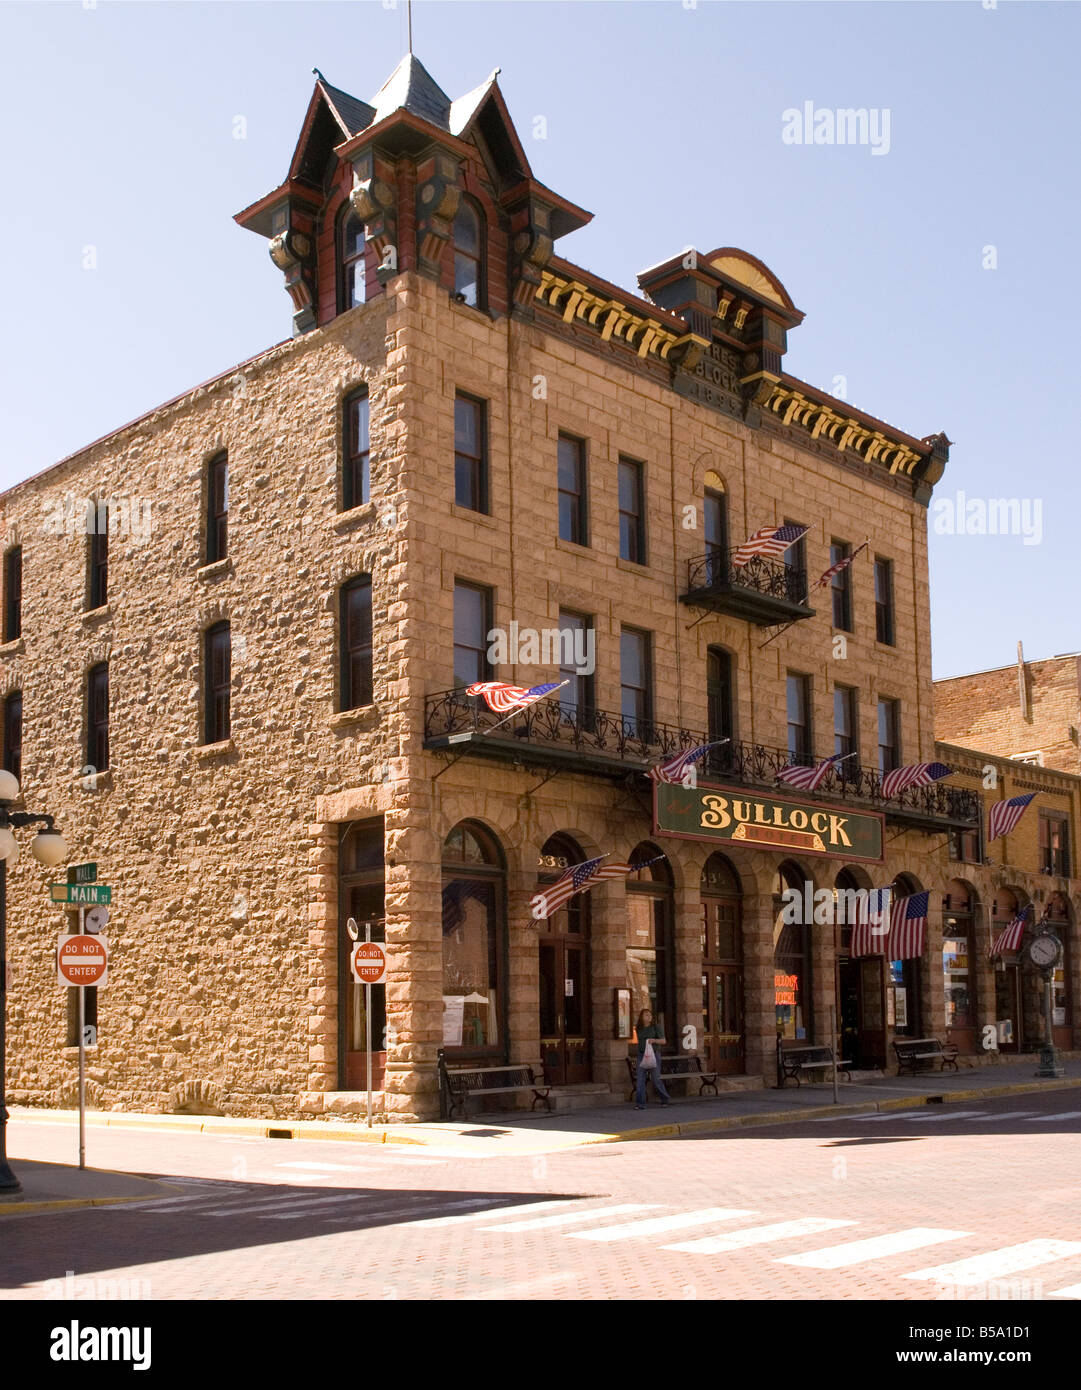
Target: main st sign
765, 821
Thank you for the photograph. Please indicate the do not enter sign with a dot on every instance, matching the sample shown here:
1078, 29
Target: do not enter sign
369, 962
82, 960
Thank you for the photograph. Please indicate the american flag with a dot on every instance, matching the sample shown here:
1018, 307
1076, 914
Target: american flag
553, 895
870, 930
915, 775
1004, 815
1009, 938
809, 778
770, 540
503, 698
834, 569
908, 925
673, 769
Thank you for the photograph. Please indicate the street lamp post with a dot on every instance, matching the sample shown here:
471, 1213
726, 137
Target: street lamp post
48, 848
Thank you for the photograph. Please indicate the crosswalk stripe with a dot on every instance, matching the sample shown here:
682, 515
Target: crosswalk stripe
496, 1211
879, 1119
1005, 1115
874, 1248
654, 1225
939, 1116
1073, 1291
1062, 1115
759, 1235
1009, 1260
269, 1203
544, 1222
166, 1203
367, 1208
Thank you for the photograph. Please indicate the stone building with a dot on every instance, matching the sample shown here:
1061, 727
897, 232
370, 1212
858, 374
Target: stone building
238, 633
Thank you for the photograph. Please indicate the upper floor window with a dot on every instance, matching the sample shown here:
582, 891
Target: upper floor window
636, 683
217, 508
356, 642
715, 522
97, 559
720, 698
965, 845
13, 593
470, 454
217, 673
795, 557
472, 623
572, 490
845, 727
356, 449
351, 286
884, 601
13, 734
1054, 843
889, 735
798, 708
632, 511
469, 276
97, 717
841, 586
576, 663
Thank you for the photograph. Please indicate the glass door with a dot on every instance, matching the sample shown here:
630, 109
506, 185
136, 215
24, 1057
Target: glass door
564, 1011
723, 1015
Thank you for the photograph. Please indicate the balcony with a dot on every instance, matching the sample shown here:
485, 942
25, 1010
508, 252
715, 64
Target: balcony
561, 737
763, 592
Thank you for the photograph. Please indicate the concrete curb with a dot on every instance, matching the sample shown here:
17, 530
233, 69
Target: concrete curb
213, 1124
10, 1206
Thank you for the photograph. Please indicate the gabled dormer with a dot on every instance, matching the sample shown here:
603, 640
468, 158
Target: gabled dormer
411, 181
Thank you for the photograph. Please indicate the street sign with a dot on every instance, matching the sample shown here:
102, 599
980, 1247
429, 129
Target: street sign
369, 963
96, 920
82, 873
88, 893
90, 1035
82, 960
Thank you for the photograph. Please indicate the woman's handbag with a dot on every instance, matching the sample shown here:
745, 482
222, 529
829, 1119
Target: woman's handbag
649, 1057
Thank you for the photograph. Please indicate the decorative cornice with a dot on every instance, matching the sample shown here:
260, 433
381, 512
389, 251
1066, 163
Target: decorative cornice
574, 300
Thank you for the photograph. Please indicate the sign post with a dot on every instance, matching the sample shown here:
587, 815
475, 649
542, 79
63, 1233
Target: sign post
82, 961
369, 968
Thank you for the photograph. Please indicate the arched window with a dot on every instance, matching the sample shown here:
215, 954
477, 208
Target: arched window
649, 938
1059, 918
361, 897
355, 637
959, 906
474, 892
469, 268
722, 958
791, 959
903, 1011
715, 524
351, 246
564, 971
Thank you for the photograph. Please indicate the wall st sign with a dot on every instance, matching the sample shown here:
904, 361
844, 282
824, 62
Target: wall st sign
764, 821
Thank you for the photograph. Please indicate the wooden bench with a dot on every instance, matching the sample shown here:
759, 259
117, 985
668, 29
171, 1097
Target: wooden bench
459, 1083
794, 1058
920, 1054
681, 1067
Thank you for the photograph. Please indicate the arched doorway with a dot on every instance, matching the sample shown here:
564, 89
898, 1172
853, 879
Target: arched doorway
474, 954
564, 973
861, 988
360, 889
1009, 1006
722, 967
904, 1014
649, 938
791, 961
959, 910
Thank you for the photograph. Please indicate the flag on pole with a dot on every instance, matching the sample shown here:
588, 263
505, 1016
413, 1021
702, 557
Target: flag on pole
872, 924
573, 880
915, 775
908, 925
1009, 938
1004, 815
809, 778
502, 697
770, 541
673, 769
840, 565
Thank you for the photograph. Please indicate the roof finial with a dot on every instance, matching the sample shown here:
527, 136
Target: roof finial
409, 13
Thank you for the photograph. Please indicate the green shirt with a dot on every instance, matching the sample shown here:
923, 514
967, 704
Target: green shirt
649, 1031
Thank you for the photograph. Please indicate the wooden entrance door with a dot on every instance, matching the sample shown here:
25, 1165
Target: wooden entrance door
1008, 1008
564, 1010
722, 1011
862, 1008
354, 1053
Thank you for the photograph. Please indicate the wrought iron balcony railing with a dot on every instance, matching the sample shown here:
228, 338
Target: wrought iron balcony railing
614, 745
761, 591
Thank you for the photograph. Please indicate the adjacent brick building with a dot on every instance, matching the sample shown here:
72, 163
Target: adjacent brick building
251, 712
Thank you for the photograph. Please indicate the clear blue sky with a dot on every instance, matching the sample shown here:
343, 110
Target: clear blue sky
665, 122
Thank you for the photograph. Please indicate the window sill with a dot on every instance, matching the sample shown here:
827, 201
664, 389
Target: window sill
95, 781
632, 566
485, 314
207, 752
16, 647
468, 514
363, 714
89, 616
215, 569
355, 516
573, 547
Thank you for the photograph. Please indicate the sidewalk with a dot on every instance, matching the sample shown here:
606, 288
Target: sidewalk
522, 1133
56, 1186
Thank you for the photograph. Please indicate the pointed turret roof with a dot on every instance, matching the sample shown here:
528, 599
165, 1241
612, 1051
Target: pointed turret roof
411, 87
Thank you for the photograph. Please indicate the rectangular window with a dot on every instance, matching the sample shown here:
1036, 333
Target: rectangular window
355, 629
845, 724
884, 601
217, 509
841, 587
356, 450
576, 661
965, 846
632, 511
798, 699
795, 557
97, 717
472, 623
470, 454
1054, 843
889, 735
13, 593
13, 734
715, 522
636, 682
572, 490
98, 560
217, 658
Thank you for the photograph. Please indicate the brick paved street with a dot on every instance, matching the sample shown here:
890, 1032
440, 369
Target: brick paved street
970, 1201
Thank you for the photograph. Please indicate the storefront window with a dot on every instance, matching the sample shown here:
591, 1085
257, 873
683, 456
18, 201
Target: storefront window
957, 937
649, 908
472, 948
791, 965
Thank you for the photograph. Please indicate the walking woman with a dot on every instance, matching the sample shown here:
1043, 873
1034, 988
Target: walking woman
649, 1059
